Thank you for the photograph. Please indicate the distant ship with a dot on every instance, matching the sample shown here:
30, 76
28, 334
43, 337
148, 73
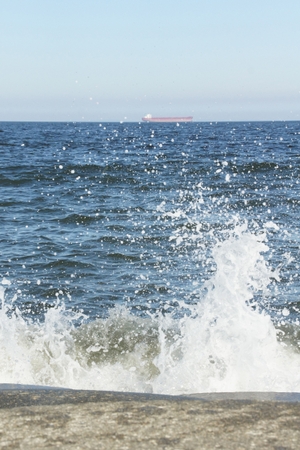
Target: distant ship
149, 118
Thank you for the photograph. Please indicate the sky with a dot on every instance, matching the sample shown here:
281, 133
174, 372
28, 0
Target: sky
118, 60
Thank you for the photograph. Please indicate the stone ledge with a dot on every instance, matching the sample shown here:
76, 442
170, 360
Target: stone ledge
59, 418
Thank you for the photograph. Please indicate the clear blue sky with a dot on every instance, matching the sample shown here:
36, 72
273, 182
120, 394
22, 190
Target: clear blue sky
102, 60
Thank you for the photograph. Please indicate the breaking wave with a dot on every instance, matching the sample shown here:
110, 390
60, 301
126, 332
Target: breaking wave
223, 340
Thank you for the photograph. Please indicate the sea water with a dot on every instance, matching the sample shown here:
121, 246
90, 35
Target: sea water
150, 257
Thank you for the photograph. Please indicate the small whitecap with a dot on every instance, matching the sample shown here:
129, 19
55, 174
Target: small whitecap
271, 224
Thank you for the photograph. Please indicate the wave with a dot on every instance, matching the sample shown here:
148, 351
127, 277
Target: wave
225, 341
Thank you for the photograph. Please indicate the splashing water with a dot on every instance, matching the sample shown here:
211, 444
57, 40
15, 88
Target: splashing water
222, 342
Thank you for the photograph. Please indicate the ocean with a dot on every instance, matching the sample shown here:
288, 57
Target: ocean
144, 257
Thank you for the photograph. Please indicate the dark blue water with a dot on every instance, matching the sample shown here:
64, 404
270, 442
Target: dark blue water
120, 228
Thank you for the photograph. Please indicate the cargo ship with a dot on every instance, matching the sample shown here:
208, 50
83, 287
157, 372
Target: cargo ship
149, 118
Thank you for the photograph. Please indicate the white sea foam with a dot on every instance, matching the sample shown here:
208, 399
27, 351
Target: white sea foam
221, 343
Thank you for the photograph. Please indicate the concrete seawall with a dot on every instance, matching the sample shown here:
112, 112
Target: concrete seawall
69, 419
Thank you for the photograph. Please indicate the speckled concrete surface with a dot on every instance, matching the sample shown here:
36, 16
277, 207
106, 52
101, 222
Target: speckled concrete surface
66, 419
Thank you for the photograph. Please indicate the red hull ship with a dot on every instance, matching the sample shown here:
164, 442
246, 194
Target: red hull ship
149, 118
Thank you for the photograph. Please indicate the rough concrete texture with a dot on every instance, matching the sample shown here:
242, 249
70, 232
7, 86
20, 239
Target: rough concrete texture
48, 419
